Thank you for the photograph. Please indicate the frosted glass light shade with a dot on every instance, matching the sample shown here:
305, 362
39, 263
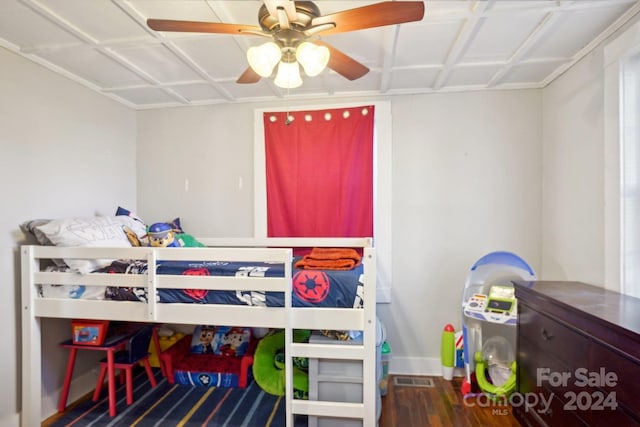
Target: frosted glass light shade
313, 58
288, 76
264, 58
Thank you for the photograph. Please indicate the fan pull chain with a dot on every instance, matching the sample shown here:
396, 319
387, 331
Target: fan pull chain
287, 121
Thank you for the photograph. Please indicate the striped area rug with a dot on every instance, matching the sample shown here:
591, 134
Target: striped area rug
182, 405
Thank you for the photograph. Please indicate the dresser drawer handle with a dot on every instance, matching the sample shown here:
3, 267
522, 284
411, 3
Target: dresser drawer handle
546, 335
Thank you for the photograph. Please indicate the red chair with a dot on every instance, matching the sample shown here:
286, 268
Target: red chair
137, 352
159, 351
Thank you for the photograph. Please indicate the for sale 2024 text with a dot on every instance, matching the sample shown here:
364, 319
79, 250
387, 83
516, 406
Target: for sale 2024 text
598, 397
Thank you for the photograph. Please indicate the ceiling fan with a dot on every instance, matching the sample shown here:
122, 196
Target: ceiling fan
292, 27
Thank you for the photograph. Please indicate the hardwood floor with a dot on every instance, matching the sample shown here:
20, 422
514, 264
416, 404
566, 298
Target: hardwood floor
440, 406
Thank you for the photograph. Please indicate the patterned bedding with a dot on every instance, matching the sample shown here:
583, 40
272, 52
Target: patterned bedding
310, 288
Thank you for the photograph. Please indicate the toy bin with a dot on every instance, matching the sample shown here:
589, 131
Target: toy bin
89, 332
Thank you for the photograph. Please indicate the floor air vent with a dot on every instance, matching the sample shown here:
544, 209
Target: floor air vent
401, 381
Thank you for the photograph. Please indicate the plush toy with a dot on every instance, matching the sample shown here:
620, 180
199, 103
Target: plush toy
161, 235
268, 365
132, 236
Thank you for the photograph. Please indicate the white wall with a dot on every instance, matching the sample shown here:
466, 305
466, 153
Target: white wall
64, 151
466, 181
580, 174
573, 177
212, 148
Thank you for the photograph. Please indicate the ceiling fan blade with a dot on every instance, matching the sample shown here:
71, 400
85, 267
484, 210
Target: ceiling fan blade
375, 15
342, 63
202, 27
249, 76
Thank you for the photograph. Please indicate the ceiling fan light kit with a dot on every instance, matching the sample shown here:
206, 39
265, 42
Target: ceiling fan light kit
288, 76
313, 58
264, 58
291, 24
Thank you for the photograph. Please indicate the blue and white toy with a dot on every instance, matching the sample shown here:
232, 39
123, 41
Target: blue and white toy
489, 310
161, 235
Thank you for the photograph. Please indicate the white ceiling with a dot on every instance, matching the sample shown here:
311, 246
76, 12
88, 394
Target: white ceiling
459, 45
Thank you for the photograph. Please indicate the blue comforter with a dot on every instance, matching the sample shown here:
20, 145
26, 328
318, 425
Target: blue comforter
310, 288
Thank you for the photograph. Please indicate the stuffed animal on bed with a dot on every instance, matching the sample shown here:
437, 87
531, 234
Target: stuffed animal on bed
162, 235
132, 237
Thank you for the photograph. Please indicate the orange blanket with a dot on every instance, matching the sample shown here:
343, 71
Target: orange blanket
330, 259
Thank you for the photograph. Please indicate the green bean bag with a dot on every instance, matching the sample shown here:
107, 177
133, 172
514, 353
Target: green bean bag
268, 365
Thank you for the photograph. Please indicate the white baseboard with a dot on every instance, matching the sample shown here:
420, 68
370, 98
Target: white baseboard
10, 421
80, 386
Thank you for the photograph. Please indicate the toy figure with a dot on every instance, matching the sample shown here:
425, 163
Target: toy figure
232, 341
161, 235
205, 338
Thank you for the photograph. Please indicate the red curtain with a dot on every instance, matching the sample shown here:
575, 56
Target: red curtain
319, 167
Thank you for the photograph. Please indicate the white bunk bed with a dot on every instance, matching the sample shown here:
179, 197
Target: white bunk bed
287, 317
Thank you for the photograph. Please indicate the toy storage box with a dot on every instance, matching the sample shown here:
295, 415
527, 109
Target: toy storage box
337, 380
89, 332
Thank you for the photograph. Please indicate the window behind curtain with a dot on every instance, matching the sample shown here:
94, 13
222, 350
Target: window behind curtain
630, 162
319, 172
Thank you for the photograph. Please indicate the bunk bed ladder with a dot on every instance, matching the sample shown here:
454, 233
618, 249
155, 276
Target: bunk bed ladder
364, 410
365, 352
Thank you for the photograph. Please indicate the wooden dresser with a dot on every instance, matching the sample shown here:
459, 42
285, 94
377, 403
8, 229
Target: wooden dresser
578, 348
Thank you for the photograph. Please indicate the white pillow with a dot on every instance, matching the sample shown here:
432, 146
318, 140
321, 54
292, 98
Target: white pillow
135, 225
85, 232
